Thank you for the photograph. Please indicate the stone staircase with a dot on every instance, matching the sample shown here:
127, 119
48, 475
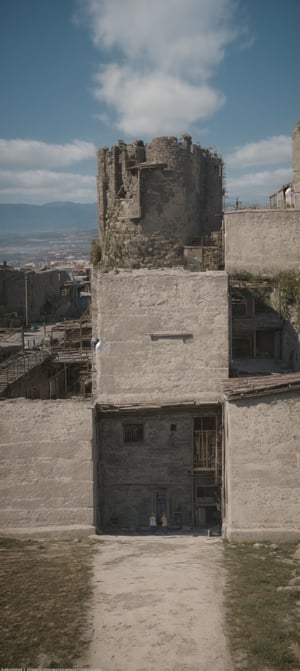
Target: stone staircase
15, 367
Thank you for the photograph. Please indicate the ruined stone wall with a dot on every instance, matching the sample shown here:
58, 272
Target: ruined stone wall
262, 241
165, 335
162, 195
296, 165
46, 466
263, 468
131, 474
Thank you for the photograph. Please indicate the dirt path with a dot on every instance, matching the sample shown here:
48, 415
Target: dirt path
158, 605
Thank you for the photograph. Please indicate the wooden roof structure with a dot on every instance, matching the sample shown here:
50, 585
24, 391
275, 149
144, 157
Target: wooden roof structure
263, 385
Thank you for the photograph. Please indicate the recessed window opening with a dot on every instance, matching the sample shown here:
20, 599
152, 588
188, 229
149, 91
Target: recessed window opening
133, 433
173, 427
205, 442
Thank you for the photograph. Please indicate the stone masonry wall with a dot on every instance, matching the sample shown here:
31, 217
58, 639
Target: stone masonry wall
165, 335
262, 241
46, 467
263, 468
130, 475
165, 194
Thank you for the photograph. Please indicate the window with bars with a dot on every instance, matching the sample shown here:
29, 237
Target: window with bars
205, 443
133, 433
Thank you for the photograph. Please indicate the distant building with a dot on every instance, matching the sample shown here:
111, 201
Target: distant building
283, 197
29, 293
289, 194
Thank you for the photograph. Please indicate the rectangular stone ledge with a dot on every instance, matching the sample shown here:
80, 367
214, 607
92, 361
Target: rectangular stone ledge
276, 535
170, 336
60, 532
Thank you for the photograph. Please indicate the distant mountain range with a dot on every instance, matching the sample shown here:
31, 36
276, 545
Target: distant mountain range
51, 217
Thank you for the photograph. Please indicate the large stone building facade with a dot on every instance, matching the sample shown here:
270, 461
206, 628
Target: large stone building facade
165, 336
164, 458
169, 434
196, 387
158, 394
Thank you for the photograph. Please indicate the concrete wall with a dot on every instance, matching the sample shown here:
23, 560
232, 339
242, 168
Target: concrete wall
263, 468
130, 475
46, 467
136, 366
262, 241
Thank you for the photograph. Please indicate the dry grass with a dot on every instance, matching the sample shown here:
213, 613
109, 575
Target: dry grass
45, 589
263, 621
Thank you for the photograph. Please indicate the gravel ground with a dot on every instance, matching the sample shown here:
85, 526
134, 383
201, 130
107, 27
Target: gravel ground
158, 605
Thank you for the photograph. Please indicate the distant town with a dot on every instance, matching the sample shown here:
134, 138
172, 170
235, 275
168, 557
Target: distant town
59, 248
54, 234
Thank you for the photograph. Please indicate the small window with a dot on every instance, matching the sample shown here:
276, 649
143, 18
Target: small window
133, 433
173, 427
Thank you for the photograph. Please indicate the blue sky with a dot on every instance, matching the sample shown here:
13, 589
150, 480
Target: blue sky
80, 74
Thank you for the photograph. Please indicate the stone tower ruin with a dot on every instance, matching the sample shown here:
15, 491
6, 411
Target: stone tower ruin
155, 198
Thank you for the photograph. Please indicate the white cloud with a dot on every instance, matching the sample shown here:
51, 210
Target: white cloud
276, 149
25, 175
42, 186
184, 38
34, 154
164, 54
156, 102
256, 187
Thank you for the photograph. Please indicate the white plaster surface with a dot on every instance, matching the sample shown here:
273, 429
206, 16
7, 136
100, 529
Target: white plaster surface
132, 305
46, 465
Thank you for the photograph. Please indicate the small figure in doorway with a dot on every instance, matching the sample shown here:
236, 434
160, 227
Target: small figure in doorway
164, 522
152, 523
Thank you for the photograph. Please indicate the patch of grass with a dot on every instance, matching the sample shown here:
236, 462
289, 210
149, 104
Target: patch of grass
263, 622
45, 589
